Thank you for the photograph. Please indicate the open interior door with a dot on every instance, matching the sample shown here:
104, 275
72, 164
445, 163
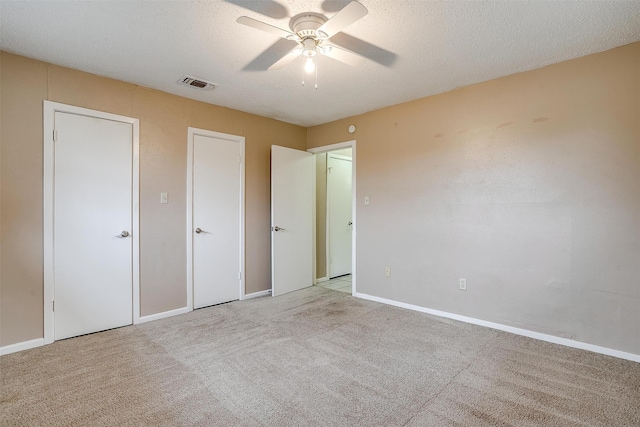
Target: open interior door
292, 196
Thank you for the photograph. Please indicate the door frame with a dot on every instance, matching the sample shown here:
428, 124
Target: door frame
191, 133
49, 110
325, 149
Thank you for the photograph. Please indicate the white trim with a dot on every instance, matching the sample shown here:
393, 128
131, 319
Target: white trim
518, 331
190, 219
339, 156
47, 210
242, 219
314, 189
322, 279
258, 294
20, 346
49, 110
135, 221
164, 314
333, 147
191, 132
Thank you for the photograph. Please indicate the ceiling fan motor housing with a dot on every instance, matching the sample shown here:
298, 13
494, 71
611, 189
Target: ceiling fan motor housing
305, 26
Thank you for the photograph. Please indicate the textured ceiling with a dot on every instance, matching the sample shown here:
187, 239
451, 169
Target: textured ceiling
416, 48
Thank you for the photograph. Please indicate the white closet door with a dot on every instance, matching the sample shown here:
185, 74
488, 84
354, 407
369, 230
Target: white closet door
93, 285
216, 220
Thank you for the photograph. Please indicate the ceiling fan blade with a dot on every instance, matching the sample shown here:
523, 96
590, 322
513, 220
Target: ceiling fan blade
343, 55
269, 8
341, 20
368, 50
285, 60
250, 22
270, 56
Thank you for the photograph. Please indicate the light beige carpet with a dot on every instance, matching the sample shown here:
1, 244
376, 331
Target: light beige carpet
315, 357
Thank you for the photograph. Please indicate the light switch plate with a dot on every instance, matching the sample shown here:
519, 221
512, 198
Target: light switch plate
163, 198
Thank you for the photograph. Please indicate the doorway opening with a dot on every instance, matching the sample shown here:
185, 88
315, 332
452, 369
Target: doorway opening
335, 217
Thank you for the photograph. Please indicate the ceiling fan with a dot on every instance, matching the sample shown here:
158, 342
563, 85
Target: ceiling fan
311, 33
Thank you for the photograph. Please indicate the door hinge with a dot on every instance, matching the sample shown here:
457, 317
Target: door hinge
55, 135
53, 303
239, 160
240, 276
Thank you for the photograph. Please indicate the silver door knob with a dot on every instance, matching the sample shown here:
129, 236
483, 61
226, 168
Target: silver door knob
276, 228
199, 230
125, 233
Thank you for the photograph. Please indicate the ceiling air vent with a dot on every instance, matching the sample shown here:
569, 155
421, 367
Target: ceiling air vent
196, 83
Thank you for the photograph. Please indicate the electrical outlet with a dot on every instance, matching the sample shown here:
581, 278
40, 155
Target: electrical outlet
387, 271
463, 284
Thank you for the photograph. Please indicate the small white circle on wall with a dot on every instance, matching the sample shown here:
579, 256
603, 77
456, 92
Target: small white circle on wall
352, 129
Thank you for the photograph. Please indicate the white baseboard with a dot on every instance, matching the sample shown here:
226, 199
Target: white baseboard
19, 346
322, 279
518, 331
163, 315
38, 342
265, 293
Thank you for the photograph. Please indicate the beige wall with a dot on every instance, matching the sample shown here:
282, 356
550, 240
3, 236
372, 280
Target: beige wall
21, 264
528, 186
164, 119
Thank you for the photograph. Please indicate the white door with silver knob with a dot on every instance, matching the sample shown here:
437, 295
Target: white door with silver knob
292, 193
216, 221
92, 244
339, 214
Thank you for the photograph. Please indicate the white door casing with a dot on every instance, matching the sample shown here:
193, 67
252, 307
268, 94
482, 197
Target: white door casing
339, 215
215, 224
292, 209
90, 221
340, 146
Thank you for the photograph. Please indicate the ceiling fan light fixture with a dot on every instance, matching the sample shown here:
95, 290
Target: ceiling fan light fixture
309, 66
